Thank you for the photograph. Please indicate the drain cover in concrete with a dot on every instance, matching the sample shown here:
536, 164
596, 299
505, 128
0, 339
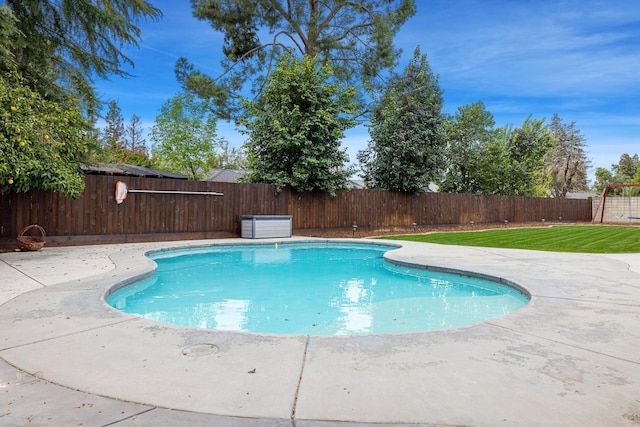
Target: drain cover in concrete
198, 350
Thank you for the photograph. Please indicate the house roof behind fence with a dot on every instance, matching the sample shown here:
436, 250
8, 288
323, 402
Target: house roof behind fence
582, 195
121, 169
225, 175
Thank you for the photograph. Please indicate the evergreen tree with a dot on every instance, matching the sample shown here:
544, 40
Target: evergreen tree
135, 135
626, 168
114, 131
123, 143
406, 151
354, 37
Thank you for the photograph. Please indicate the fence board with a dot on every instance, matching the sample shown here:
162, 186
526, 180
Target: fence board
145, 216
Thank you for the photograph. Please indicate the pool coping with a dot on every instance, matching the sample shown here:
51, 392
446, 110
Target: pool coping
568, 358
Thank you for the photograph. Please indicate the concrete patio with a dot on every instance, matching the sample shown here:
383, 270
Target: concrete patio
569, 358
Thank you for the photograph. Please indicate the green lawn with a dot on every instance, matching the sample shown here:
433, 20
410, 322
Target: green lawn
586, 239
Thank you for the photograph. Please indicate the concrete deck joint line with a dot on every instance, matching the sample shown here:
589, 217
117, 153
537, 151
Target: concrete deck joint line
23, 273
568, 358
84, 331
304, 361
128, 417
570, 345
595, 301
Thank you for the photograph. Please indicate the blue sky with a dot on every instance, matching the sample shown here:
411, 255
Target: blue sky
577, 58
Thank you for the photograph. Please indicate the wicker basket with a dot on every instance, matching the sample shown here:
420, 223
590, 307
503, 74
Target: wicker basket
31, 243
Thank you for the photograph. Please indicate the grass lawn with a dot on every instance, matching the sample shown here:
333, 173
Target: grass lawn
587, 239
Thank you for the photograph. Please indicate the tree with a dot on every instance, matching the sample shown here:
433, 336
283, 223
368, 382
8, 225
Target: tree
506, 161
8, 34
566, 162
41, 141
184, 136
135, 135
627, 168
467, 134
230, 157
50, 50
406, 151
113, 134
61, 45
604, 177
354, 37
295, 128
513, 162
122, 143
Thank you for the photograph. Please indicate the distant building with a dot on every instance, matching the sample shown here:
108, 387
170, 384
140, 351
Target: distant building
357, 184
582, 195
121, 169
225, 175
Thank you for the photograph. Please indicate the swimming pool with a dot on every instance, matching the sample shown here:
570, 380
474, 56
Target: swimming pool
311, 289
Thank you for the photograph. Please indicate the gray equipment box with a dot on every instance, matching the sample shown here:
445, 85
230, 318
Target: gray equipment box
265, 226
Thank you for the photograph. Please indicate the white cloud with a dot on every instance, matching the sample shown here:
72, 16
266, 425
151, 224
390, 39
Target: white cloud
522, 49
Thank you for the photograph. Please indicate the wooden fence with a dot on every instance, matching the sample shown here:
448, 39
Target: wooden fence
97, 218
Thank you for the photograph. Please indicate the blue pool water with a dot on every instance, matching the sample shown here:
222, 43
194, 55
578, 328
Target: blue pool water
309, 288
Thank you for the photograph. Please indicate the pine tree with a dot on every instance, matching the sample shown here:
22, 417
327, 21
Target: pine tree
114, 132
355, 38
135, 135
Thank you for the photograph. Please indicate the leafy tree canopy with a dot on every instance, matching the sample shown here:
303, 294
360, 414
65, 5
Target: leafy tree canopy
485, 160
355, 37
406, 151
533, 160
467, 133
184, 136
296, 126
41, 141
511, 163
50, 51
626, 171
231, 157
